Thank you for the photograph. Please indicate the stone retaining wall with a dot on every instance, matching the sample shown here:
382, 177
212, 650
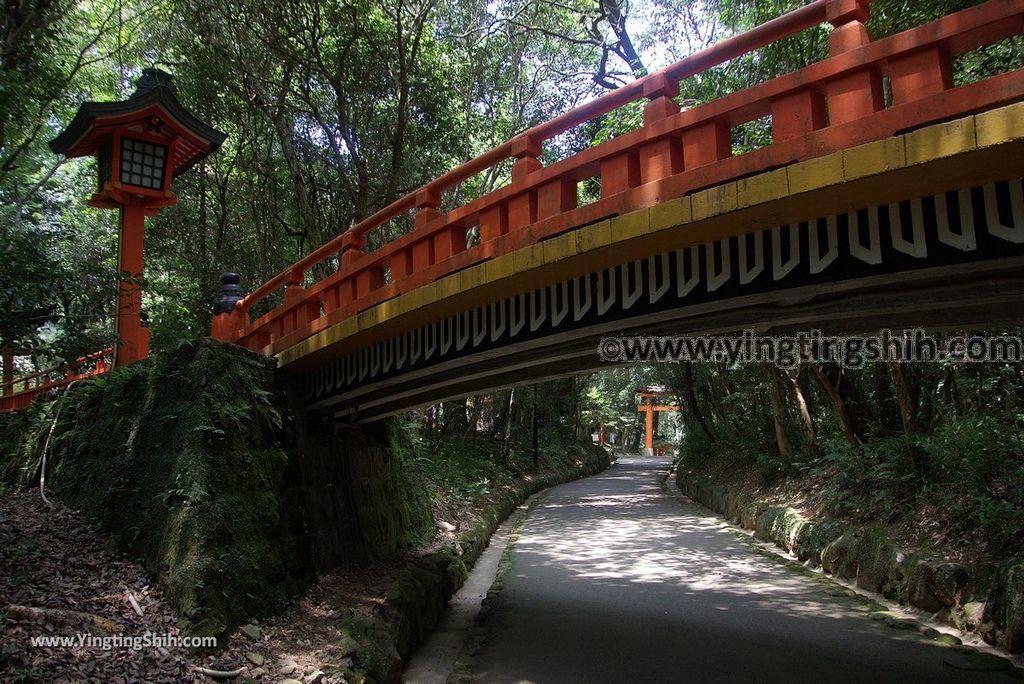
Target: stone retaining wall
988, 600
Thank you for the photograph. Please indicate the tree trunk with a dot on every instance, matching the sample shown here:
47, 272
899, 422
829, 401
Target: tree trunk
840, 406
533, 424
691, 398
903, 386
904, 398
508, 422
779, 410
806, 422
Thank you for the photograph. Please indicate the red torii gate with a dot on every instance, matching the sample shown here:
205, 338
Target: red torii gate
649, 408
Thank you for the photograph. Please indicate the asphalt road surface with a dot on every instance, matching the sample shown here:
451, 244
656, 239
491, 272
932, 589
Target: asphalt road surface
613, 580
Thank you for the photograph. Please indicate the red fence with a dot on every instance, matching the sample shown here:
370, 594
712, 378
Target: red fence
21, 392
828, 106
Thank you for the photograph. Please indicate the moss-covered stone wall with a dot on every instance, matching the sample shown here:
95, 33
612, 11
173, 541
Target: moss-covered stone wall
988, 600
181, 459
19, 453
189, 462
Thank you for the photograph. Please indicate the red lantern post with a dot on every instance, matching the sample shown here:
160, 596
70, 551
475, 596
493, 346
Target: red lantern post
140, 145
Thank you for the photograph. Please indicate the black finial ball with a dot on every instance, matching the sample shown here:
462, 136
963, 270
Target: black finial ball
230, 293
153, 78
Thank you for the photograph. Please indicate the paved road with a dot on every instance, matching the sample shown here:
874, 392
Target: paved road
612, 580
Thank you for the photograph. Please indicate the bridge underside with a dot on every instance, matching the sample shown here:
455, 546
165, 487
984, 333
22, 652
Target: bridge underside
931, 301
925, 229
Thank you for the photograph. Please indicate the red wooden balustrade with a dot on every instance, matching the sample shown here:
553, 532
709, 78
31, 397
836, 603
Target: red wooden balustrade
20, 392
825, 107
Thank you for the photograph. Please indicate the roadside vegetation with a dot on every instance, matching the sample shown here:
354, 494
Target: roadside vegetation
933, 450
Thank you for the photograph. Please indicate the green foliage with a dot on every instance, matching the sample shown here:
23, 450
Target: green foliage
965, 466
465, 462
19, 447
979, 476
974, 449
974, 479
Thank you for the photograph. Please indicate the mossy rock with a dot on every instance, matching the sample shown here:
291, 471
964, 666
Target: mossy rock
918, 586
815, 538
803, 544
864, 554
894, 620
949, 581
875, 555
930, 584
970, 616
839, 557
415, 603
764, 528
780, 524
1003, 622
376, 655
452, 570
740, 508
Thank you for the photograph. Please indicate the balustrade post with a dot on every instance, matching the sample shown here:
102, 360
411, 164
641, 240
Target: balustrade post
493, 223
448, 241
441, 244
293, 289
365, 280
228, 317
858, 94
920, 74
848, 19
662, 156
556, 197
427, 202
620, 173
8, 377
707, 143
797, 113
294, 296
352, 245
522, 208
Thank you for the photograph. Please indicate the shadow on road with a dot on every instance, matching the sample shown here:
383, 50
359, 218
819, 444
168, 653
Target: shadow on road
614, 581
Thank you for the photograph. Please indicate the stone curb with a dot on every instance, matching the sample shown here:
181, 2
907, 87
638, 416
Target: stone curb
987, 601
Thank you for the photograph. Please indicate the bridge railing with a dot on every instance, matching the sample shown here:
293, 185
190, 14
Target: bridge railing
831, 105
20, 392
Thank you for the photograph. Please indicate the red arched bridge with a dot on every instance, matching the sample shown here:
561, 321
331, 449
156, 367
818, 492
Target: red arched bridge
888, 194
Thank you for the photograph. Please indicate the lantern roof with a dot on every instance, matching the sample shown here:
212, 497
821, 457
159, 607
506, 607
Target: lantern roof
153, 108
